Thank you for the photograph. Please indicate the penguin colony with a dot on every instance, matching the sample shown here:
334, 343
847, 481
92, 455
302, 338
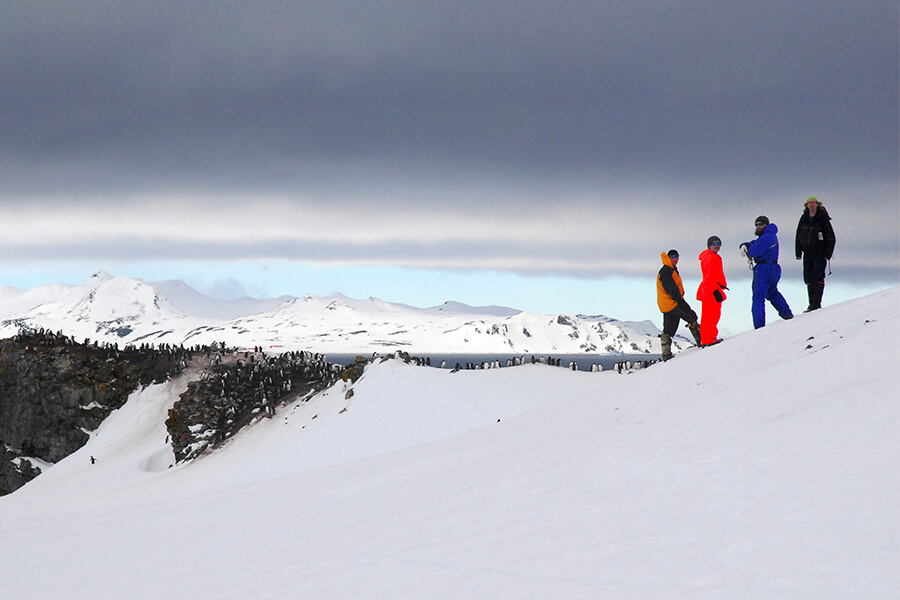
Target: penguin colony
238, 387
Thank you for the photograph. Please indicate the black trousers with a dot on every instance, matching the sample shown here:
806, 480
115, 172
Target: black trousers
814, 266
671, 318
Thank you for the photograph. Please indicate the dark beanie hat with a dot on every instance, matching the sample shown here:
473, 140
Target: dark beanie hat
672, 253
762, 220
713, 240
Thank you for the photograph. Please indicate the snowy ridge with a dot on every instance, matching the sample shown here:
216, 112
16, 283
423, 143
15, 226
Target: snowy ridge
123, 310
764, 467
191, 302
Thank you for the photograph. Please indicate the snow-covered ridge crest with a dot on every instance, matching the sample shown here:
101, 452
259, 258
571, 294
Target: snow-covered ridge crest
125, 310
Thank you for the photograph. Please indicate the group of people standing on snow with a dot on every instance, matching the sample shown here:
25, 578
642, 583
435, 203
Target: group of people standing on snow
814, 244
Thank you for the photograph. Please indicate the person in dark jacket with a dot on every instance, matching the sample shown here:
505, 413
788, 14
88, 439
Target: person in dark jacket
670, 298
815, 245
766, 272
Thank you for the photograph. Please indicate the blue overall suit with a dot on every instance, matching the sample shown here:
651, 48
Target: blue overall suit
766, 274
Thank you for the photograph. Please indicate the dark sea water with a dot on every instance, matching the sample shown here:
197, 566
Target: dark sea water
585, 362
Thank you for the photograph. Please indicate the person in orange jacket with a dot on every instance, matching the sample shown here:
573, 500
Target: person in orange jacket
711, 292
671, 302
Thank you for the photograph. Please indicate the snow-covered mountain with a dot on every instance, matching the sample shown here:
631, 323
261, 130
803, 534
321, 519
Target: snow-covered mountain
123, 310
767, 466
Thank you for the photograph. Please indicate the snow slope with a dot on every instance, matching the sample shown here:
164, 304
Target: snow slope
764, 467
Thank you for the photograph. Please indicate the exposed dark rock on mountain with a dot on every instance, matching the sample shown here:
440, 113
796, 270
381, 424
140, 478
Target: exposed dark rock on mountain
54, 391
238, 389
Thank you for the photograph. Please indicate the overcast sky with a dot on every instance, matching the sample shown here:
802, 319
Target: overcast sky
335, 143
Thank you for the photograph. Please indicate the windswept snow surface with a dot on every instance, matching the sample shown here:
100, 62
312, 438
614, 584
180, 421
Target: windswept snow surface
764, 467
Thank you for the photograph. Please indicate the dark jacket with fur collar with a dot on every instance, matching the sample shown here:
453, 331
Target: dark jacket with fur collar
815, 234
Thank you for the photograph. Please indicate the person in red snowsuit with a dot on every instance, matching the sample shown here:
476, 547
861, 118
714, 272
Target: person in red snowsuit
711, 292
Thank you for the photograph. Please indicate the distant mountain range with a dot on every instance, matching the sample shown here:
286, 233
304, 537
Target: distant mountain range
124, 310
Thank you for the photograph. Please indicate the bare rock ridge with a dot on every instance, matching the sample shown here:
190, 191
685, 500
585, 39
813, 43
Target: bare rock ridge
54, 391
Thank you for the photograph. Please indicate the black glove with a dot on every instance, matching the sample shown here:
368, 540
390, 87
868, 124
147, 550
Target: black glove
718, 296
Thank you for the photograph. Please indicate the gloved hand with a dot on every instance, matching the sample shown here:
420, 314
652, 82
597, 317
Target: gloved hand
744, 250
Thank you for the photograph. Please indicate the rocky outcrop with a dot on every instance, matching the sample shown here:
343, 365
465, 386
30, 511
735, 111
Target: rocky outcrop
15, 471
54, 391
242, 387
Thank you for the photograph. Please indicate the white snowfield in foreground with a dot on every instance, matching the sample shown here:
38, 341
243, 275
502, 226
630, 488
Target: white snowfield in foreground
766, 467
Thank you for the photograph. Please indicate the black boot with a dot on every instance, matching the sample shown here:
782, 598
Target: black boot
820, 291
666, 346
815, 292
695, 331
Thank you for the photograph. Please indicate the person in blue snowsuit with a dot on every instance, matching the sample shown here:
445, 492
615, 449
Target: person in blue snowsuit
766, 272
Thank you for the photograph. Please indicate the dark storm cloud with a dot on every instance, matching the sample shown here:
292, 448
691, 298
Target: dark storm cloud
577, 138
108, 96
567, 259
